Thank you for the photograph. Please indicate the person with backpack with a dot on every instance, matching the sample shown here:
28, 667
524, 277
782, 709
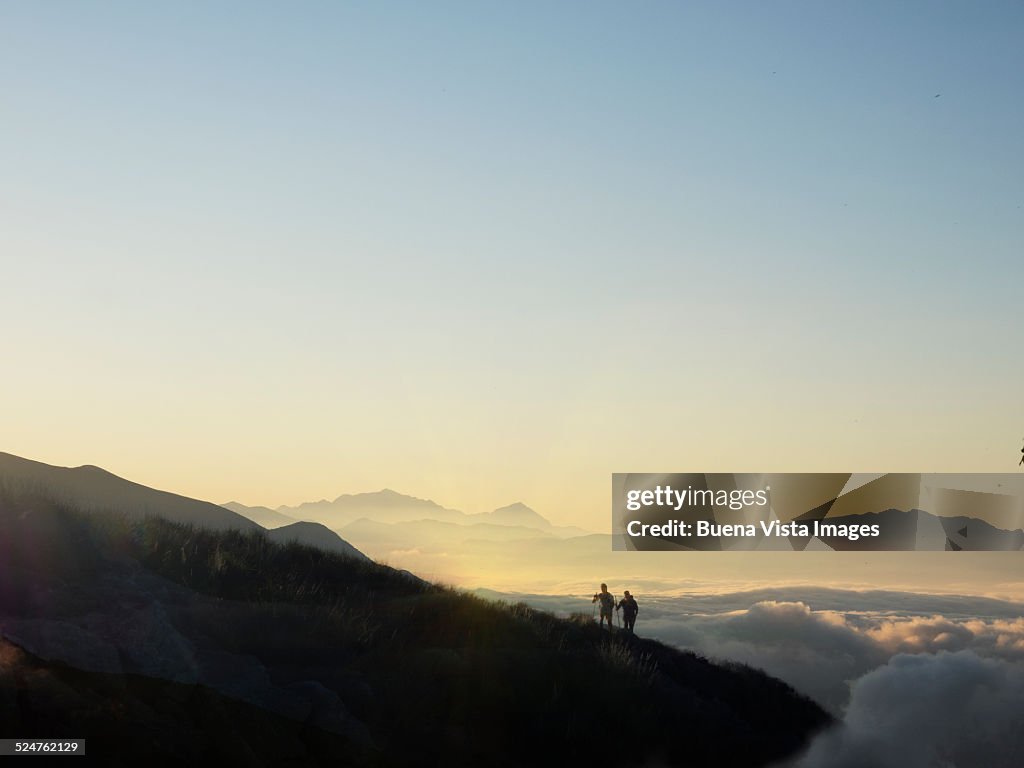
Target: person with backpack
630, 609
604, 597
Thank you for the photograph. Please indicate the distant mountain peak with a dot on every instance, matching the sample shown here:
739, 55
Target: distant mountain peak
515, 506
385, 505
385, 496
519, 513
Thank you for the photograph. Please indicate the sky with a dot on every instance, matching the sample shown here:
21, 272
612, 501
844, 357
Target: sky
486, 252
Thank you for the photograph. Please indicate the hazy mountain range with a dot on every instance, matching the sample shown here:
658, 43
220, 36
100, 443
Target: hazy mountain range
433, 540
390, 507
515, 548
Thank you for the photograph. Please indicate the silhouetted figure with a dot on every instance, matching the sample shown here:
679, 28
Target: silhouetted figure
1022, 457
629, 610
607, 603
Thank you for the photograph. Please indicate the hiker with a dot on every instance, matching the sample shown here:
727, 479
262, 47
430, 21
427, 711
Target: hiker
629, 611
607, 603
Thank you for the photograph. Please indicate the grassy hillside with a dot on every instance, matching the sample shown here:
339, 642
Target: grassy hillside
377, 666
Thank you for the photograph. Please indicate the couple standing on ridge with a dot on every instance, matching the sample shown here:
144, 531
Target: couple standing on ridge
627, 604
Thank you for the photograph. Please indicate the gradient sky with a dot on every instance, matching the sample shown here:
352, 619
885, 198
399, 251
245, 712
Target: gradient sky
485, 252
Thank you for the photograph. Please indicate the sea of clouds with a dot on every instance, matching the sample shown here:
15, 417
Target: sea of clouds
917, 681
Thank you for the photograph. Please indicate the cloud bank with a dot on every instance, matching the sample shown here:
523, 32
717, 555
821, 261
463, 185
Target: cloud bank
929, 711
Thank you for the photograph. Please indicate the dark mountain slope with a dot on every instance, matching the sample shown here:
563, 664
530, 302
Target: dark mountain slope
131, 720
386, 668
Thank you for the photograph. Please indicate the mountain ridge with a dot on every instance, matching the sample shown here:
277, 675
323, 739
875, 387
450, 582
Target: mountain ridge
93, 488
314, 535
